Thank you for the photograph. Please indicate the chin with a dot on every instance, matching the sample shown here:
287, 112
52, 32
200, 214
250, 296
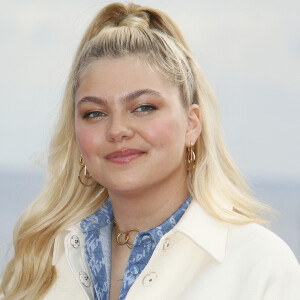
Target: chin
126, 191
127, 186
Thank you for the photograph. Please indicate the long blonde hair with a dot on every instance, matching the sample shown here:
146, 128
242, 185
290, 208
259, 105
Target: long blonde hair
120, 30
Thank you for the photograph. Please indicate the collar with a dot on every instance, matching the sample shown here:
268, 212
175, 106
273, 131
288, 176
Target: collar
206, 231
99, 219
157, 232
104, 216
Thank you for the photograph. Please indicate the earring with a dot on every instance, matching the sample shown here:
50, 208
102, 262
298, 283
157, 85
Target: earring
87, 179
190, 160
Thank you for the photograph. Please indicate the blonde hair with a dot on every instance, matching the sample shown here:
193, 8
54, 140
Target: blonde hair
116, 31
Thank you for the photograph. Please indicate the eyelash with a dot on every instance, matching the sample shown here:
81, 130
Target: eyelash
99, 114
144, 108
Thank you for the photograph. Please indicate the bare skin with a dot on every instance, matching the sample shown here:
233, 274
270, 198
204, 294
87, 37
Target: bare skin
148, 216
122, 105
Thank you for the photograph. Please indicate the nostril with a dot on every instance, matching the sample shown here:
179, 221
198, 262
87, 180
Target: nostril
119, 135
119, 129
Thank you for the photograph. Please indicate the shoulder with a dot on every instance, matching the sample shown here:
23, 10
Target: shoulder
225, 241
265, 255
258, 241
248, 260
267, 259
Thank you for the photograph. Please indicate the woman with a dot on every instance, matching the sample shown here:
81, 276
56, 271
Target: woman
143, 200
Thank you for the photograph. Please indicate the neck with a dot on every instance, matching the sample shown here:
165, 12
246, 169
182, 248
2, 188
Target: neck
150, 207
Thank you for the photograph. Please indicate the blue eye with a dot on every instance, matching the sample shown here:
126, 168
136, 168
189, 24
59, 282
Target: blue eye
145, 108
94, 115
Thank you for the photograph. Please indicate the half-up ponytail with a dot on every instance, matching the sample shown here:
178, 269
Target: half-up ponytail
117, 14
149, 34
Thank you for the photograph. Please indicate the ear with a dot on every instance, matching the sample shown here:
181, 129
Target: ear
194, 125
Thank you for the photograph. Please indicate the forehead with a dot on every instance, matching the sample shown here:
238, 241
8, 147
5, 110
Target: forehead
110, 77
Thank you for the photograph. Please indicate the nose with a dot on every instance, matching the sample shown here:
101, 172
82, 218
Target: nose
119, 128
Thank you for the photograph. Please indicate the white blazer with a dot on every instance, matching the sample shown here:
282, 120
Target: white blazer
200, 258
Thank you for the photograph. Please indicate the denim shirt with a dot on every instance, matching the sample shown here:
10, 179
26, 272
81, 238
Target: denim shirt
98, 229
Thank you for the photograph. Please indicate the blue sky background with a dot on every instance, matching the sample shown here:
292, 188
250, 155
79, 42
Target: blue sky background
249, 50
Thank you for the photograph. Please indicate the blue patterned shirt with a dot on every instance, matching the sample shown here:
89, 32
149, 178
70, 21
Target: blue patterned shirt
98, 229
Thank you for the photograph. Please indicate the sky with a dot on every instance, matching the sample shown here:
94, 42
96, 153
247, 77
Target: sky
248, 49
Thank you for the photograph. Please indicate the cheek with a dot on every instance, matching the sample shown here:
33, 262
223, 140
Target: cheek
166, 132
88, 140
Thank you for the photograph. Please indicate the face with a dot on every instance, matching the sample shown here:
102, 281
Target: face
130, 125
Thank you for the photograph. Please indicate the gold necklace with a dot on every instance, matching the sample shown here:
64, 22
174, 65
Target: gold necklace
123, 237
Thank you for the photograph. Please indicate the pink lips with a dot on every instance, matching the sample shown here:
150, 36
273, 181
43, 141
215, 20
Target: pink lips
124, 156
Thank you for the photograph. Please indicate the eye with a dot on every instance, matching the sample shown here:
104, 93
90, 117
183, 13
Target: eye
145, 108
94, 115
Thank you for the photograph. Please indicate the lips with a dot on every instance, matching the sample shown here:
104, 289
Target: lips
124, 155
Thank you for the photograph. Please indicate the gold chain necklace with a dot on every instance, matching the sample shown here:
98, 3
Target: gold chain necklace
123, 237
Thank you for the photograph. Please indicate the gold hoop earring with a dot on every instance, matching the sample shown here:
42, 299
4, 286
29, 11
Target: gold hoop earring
190, 160
87, 177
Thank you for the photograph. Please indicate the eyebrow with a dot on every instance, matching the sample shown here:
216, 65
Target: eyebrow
125, 98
